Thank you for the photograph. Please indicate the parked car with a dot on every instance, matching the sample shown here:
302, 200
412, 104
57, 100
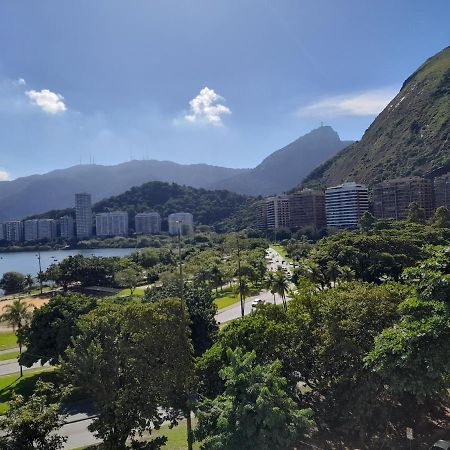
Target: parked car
257, 302
441, 445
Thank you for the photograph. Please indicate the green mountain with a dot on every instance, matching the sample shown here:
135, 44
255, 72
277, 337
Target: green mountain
208, 207
286, 167
410, 137
54, 190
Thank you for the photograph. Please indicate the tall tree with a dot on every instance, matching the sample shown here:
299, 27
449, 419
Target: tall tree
12, 282
134, 361
33, 423
254, 410
53, 326
17, 315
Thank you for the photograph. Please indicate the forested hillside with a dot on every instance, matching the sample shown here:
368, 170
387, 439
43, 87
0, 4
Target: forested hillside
410, 137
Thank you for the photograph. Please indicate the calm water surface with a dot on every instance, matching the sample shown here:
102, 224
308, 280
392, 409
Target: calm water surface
27, 262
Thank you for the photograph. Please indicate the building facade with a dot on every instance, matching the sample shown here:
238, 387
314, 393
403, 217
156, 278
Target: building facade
147, 223
111, 224
391, 198
183, 220
83, 215
30, 230
307, 209
2, 232
66, 227
14, 231
345, 204
47, 229
442, 191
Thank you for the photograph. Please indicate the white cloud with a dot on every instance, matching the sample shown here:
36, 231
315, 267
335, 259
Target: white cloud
368, 103
4, 175
206, 108
21, 82
48, 101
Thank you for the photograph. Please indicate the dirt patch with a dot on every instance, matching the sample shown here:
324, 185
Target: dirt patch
37, 302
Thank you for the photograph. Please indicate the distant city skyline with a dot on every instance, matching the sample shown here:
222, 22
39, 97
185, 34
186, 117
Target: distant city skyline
223, 83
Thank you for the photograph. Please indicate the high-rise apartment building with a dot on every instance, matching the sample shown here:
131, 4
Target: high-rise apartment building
391, 198
307, 209
47, 229
66, 227
83, 215
442, 191
14, 231
30, 230
147, 223
345, 204
2, 232
183, 220
111, 224
273, 212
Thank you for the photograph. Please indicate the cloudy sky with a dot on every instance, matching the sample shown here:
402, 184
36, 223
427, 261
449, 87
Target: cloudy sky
224, 82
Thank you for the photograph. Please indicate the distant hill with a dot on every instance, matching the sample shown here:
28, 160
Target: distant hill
285, 168
410, 137
55, 190
208, 207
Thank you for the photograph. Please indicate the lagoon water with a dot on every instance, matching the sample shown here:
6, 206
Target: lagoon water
27, 262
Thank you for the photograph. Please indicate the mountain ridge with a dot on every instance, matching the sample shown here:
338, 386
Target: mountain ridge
409, 137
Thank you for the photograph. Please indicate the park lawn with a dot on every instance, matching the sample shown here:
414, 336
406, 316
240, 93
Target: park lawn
225, 297
8, 339
9, 355
176, 437
282, 251
138, 292
24, 386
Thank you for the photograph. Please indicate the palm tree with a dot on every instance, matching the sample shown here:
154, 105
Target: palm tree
281, 286
269, 284
17, 314
29, 281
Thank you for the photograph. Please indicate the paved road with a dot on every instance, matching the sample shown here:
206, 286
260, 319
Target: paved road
274, 262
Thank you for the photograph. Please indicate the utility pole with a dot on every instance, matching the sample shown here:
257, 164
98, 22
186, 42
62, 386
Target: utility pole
190, 439
40, 269
240, 276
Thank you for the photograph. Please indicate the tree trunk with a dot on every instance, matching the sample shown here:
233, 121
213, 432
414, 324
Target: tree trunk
190, 437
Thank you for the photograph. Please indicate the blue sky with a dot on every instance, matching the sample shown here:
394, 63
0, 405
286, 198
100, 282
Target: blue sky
223, 82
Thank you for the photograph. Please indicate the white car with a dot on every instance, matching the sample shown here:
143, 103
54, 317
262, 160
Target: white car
257, 302
441, 445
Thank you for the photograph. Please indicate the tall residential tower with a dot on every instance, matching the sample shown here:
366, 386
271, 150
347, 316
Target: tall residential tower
83, 215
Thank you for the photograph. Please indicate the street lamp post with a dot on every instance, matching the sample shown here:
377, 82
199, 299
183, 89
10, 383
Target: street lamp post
40, 269
241, 297
190, 440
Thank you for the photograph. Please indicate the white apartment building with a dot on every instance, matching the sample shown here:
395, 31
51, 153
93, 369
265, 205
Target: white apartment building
66, 224
147, 223
83, 215
14, 231
47, 229
111, 224
30, 230
345, 204
183, 220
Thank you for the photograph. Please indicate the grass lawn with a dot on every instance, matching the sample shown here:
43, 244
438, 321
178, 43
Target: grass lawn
176, 437
24, 386
9, 355
138, 292
282, 251
8, 339
228, 296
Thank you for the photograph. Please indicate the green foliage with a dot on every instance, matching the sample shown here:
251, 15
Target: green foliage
201, 308
207, 207
132, 359
32, 424
441, 217
12, 282
129, 277
92, 271
254, 410
53, 326
415, 213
